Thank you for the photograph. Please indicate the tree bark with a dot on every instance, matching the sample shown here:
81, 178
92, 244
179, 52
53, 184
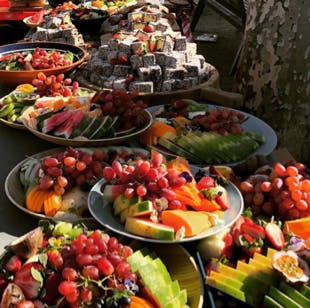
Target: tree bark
273, 71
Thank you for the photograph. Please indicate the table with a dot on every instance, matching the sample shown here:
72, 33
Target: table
15, 146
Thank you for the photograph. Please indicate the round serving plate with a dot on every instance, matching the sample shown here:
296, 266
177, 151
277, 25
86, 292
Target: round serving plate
13, 124
19, 77
179, 262
15, 190
252, 124
119, 138
102, 211
166, 97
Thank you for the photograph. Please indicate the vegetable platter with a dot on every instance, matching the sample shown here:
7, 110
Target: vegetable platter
163, 202
208, 134
21, 62
23, 96
63, 176
264, 259
106, 118
66, 265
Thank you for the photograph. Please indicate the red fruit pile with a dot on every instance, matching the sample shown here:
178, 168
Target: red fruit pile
42, 59
222, 121
90, 263
55, 85
73, 167
148, 179
121, 103
284, 191
76, 272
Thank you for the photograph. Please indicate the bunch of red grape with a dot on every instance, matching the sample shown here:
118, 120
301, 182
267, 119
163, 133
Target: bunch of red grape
92, 266
120, 103
55, 85
222, 121
284, 191
148, 179
72, 168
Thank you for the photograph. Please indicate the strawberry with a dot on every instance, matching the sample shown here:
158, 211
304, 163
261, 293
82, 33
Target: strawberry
205, 182
275, 235
148, 29
114, 61
14, 264
29, 279
55, 258
138, 52
25, 304
116, 36
123, 59
152, 46
130, 78
254, 230
223, 200
248, 238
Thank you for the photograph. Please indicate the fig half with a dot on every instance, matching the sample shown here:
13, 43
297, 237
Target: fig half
12, 296
27, 245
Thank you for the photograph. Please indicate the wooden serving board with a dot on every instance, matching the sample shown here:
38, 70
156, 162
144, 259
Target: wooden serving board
207, 91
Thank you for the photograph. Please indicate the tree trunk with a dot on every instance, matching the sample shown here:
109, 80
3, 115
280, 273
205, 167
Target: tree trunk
273, 72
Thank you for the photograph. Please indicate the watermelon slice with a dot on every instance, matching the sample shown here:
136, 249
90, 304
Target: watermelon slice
66, 129
55, 120
37, 18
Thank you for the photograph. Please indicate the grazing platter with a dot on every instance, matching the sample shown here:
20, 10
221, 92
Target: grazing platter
163, 202
31, 182
21, 62
102, 120
208, 134
49, 266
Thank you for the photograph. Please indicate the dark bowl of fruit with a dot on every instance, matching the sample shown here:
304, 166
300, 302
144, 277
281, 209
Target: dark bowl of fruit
88, 21
21, 62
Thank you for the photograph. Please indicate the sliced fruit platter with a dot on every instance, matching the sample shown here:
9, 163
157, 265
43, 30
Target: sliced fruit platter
15, 103
109, 117
208, 134
264, 259
54, 184
65, 265
158, 201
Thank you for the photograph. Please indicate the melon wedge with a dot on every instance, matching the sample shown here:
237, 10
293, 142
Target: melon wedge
147, 228
193, 222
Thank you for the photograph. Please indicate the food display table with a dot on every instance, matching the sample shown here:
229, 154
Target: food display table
8, 15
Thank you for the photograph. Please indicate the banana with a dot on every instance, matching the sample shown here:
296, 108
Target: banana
6, 109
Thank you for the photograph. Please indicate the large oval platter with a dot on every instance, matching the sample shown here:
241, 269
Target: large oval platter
179, 262
15, 190
118, 138
101, 210
252, 124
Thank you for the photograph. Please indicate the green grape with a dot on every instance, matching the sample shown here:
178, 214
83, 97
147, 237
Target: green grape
62, 228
